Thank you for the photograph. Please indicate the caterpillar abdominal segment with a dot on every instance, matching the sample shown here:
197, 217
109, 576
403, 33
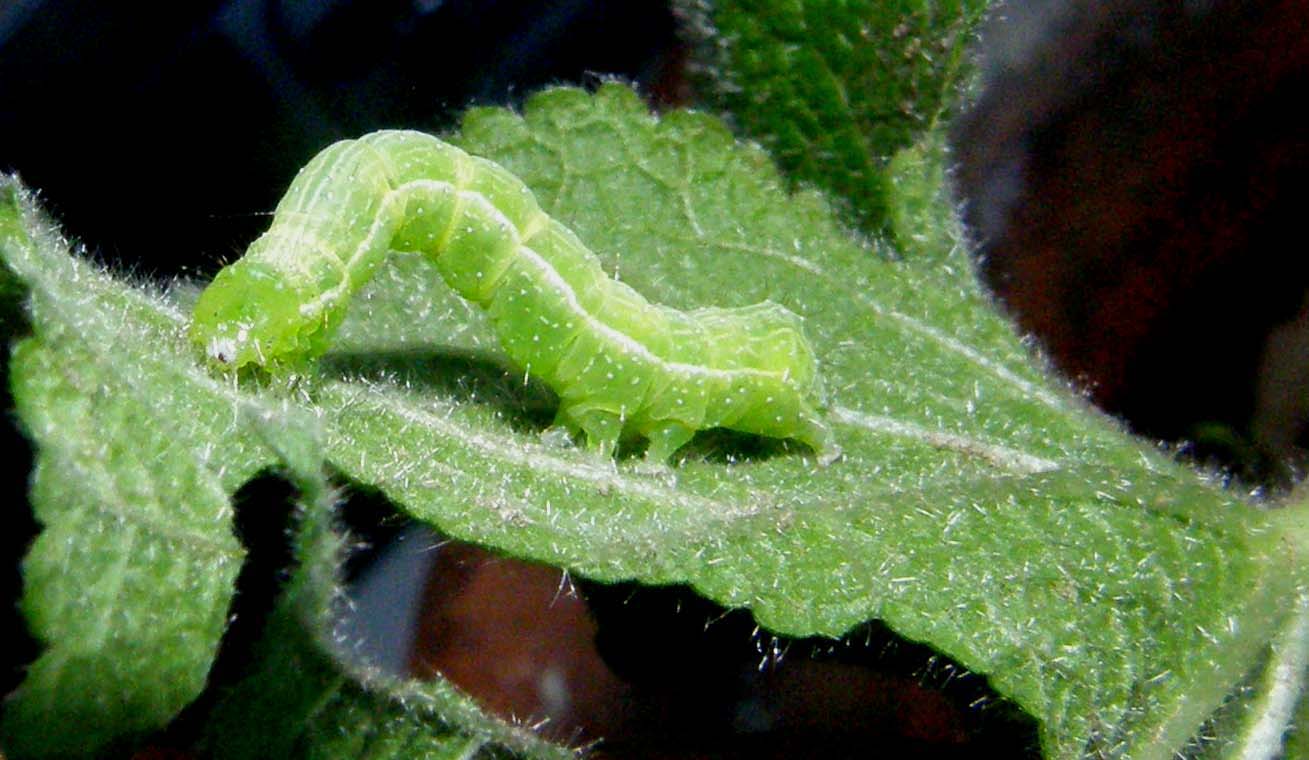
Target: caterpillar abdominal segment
621, 365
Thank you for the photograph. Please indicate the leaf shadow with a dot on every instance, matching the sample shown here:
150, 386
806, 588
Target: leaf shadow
528, 405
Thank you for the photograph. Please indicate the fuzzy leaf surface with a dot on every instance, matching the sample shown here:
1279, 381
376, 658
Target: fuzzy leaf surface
1113, 594
835, 88
303, 695
128, 585
137, 452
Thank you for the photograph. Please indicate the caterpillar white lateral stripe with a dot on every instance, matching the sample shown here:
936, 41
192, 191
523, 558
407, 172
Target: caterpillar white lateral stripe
621, 365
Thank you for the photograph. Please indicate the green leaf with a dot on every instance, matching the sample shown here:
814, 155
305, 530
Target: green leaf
922, 218
137, 451
303, 696
1113, 594
835, 88
129, 583
1268, 718
1297, 742
1268, 714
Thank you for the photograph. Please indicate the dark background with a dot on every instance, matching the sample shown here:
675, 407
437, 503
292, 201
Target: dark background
158, 134
1134, 173
1131, 172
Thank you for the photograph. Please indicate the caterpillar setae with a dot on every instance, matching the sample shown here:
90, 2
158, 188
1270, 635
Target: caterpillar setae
620, 365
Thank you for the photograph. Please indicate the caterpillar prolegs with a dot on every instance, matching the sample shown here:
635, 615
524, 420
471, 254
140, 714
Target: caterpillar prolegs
621, 365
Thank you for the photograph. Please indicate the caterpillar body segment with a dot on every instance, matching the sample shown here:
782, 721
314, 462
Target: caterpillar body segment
621, 365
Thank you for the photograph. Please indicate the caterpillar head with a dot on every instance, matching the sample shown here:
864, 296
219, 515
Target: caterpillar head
251, 314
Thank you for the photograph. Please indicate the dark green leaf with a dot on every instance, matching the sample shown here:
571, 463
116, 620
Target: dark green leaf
835, 88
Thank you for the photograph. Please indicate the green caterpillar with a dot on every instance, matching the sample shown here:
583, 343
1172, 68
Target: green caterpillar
620, 365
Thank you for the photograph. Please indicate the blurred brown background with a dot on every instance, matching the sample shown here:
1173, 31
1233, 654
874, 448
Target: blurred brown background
1133, 172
